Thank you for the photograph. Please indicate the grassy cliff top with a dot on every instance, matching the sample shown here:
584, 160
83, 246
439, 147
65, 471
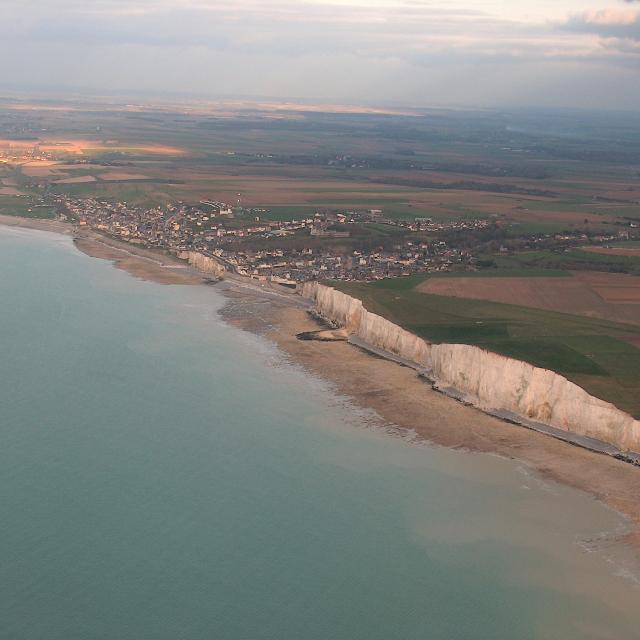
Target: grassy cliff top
599, 355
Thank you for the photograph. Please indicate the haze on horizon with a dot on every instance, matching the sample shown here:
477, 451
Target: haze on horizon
562, 53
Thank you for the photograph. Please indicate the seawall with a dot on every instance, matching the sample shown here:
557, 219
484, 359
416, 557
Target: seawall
488, 380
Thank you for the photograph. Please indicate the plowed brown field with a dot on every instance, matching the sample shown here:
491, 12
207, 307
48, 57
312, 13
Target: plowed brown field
610, 296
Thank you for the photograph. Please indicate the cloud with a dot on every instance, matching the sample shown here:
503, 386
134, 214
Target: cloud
392, 29
611, 23
399, 48
617, 29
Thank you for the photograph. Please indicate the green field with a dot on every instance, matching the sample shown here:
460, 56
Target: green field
14, 206
299, 211
592, 353
499, 272
626, 244
286, 212
409, 282
573, 259
144, 193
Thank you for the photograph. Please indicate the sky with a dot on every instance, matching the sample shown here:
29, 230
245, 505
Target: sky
559, 53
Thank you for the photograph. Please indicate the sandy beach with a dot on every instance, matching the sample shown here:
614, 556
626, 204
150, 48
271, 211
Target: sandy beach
55, 226
137, 261
400, 398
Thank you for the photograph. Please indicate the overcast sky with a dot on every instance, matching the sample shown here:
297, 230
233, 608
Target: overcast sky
429, 52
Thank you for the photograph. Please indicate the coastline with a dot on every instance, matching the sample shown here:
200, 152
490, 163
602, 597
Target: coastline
39, 224
395, 393
406, 401
137, 261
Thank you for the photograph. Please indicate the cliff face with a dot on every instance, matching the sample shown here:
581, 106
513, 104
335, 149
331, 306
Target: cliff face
203, 263
491, 381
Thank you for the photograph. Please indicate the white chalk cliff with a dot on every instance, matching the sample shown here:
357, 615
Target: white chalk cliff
203, 263
490, 381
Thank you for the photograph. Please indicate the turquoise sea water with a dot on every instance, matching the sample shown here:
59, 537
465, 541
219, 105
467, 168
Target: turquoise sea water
166, 476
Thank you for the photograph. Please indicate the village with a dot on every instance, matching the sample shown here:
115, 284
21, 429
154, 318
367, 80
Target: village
328, 245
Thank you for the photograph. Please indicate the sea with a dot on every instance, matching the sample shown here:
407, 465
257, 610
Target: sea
166, 476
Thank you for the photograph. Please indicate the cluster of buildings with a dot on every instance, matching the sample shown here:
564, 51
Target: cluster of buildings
11, 153
306, 264
435, 226
324, 245
575, 239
